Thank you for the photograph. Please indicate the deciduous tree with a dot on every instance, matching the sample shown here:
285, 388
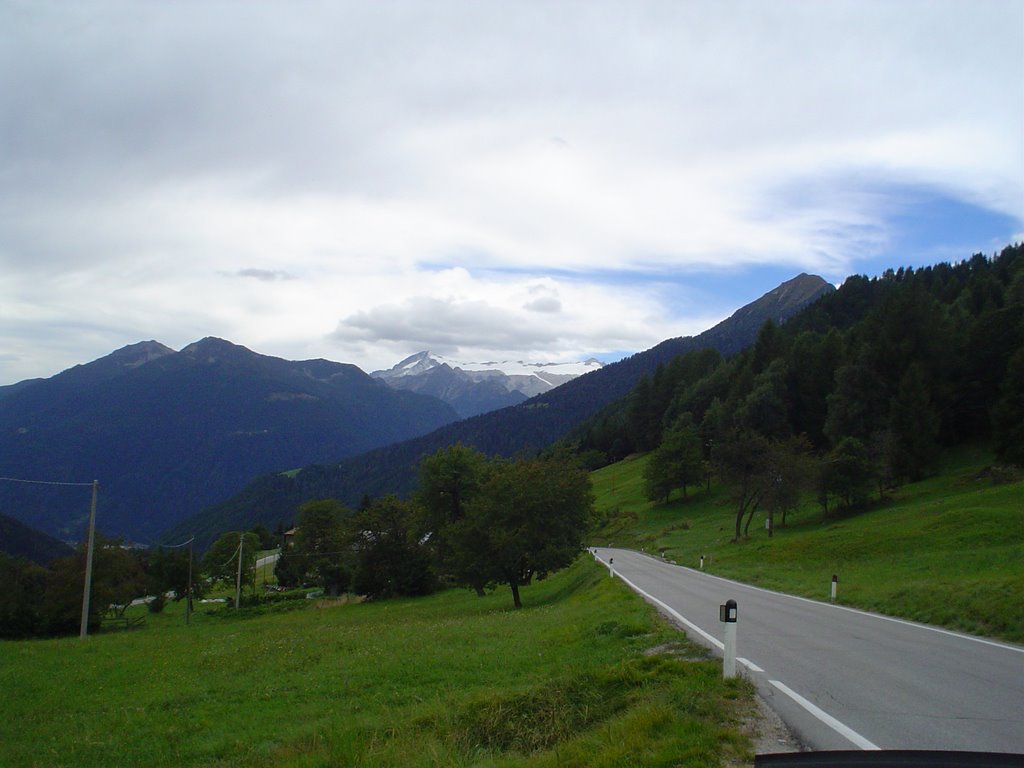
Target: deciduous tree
22, 591
529, 519
220, 562
167, 570
677, 463
847, 474
741, 458
321, 544
117, 578
449, 480
790, 470
391, 560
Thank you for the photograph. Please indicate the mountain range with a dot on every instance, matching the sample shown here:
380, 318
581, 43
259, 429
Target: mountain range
168, 433
214, 436
475, 388
531, 425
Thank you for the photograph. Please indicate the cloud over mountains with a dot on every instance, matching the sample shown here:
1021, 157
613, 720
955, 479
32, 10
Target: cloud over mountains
375, 169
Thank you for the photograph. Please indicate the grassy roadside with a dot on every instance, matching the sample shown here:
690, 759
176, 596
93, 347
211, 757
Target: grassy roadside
570, 680
585, 675
946, 551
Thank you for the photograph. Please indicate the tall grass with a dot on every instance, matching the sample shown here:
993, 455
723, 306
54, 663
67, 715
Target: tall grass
948, 551
585, 675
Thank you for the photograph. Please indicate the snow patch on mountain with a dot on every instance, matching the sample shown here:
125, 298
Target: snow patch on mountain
476, 387
553, 373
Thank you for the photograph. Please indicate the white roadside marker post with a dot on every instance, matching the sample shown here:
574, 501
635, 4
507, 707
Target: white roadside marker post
835, 582
702, 562
727, 615
611, 567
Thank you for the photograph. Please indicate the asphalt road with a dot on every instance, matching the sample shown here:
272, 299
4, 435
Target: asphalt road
846, 679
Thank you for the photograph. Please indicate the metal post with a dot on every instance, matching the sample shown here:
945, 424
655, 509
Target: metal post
84, 630
238, 580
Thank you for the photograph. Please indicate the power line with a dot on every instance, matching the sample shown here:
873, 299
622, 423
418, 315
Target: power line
176, 546
43, 482
95, 485
233, 555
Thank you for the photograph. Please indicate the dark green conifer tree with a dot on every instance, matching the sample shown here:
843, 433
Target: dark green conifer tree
914, 425
1008, 414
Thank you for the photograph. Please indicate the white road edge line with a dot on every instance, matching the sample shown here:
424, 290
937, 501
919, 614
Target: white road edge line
881, 617
674, 613
819, 713
749, 665
825, 717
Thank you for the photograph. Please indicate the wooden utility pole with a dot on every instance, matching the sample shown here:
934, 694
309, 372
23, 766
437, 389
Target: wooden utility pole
84, 631
238, 580
188, 601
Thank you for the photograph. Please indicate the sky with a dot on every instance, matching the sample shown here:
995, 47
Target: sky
537, 180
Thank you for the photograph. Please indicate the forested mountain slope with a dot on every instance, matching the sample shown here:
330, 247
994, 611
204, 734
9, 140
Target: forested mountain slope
167, 433
535, 424
20, 540
860, 392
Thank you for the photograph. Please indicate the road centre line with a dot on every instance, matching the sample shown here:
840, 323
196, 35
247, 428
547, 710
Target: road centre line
823, 716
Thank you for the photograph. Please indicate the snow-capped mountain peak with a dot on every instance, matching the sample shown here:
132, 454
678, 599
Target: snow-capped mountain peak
488, 385
414, 365
424, 361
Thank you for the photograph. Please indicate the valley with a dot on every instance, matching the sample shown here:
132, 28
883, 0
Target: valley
585, 674
451, 384
846, 448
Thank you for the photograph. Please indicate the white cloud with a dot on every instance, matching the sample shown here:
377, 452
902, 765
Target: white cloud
546, 304
459, 314
391, 176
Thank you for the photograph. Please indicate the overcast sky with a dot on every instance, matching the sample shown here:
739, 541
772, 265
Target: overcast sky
539, 180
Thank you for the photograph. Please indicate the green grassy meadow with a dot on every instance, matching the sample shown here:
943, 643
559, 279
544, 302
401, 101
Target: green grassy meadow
584, 675
946, 551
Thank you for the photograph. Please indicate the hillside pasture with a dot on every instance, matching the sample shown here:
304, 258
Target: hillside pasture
585, 674
946, 551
